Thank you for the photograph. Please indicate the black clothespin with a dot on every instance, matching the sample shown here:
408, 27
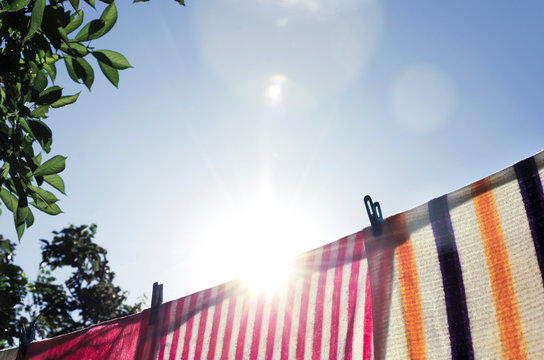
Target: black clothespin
156, 301
374, 212
26, 336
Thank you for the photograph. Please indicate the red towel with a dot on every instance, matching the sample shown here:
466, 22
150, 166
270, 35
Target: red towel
115, 339
321, 311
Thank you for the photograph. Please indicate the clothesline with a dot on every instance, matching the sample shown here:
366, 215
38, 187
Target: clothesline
459, 277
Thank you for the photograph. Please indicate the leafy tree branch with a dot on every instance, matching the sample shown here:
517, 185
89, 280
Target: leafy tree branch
35, 36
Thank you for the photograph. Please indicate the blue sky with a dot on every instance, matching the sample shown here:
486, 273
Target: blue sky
248, 129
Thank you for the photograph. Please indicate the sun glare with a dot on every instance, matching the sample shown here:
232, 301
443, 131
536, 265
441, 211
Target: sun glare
268, 274
257, 241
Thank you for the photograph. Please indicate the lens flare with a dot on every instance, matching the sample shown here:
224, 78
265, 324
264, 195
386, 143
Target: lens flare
282, 22
274, 91
422, 99
323, 47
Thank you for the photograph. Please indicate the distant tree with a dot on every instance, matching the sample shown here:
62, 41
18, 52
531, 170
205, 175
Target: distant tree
87, 297
13, 288
34, 36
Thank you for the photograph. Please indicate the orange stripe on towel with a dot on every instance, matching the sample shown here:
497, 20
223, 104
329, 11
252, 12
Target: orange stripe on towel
498, 266
409, 289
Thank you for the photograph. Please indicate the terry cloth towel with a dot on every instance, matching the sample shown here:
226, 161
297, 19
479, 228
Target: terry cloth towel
9, 354
461, 277
322, 312
115, 339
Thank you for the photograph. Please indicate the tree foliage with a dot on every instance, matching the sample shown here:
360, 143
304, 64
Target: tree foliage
88, 296
35, 36
13, 288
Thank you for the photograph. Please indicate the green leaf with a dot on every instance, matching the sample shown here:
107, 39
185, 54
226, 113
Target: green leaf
51, 209
52, 166
24, 111
112, 58
37, 160
52, 59
98, 27
42, 133
111, 73
84, 71
75, 49
29, 219
24, 125
68, 61
20, 230
50, 95
5, 169
90, 2
109, 15
43, 195
75, 4
35, 18
55, 181
76, 20
51, 70
9, 199
40, 81
17, 5
49, 25
40, 111
22, 213
92, 30
63, 36
39, 129
65, 100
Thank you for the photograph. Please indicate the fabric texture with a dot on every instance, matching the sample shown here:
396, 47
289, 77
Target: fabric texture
9, 354
115, 339
323, 312
461, 277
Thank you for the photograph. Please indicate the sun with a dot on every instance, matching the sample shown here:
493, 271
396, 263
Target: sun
267, 236
258, 239
267, 265
268, 275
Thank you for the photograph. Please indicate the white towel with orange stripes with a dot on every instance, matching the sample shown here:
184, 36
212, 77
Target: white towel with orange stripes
461, 277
